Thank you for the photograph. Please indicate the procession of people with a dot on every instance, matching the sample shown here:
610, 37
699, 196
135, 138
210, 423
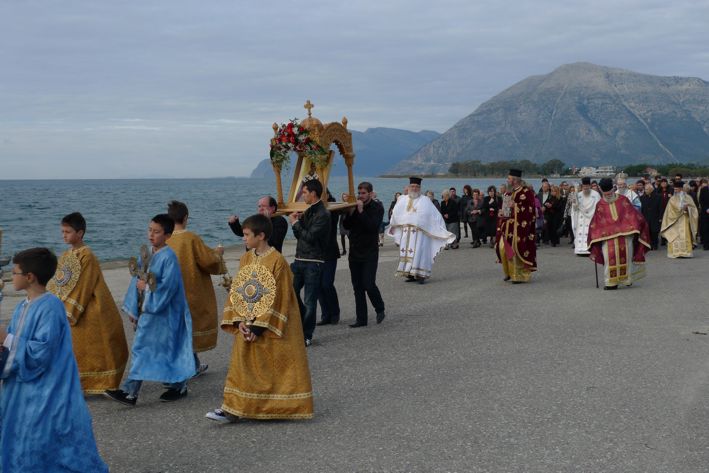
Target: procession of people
271, 308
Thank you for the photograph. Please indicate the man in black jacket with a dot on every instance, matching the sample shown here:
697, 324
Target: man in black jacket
267, 206
651, 203
311, 228
329, 302
704, 213
363, 223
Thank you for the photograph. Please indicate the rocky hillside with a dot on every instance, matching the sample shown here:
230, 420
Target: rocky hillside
582, 114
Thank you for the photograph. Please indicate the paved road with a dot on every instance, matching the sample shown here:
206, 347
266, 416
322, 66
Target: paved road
468, 373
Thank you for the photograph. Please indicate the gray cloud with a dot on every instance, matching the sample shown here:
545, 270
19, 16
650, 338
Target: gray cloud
187, 88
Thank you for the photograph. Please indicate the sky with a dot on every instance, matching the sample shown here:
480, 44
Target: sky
173, 88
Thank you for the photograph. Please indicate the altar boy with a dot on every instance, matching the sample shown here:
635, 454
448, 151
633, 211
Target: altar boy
45, 424
162, 348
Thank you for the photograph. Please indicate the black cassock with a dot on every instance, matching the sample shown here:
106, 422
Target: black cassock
704, 217
652, 211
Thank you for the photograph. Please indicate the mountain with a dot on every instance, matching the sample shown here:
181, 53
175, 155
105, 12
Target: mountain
376, 151
582, 114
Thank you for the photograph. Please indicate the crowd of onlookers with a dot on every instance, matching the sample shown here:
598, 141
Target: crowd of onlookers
475, 211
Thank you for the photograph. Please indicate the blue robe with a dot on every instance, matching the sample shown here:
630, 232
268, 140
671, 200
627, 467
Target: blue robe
45, 425
162, 348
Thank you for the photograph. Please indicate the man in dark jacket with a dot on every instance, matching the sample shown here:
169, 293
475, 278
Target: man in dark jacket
267, 206
651, 208
329, 302
311, 229
704, 213
363, 223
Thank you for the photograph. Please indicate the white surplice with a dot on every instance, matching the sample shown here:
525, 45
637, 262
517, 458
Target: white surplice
418, 228
581, 215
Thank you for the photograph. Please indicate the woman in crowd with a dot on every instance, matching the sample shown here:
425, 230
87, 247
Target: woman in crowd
490, 207
465, 206
449, 210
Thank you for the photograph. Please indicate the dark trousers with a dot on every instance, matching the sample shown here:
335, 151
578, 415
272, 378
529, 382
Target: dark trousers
306, 276
329, 303
704, 230
364, 280
654, 235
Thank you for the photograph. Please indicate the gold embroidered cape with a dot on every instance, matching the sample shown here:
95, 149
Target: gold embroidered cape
98, 339
197, 262
268, 378
679, 228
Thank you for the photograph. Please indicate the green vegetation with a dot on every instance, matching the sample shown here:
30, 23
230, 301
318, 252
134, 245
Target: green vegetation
477, 168
686, 169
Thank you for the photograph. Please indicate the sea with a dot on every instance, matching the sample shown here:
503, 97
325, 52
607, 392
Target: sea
118, 211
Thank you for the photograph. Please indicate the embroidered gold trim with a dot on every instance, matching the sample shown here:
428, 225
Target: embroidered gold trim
90, 374
78, 306
266, 416
275, 397
206, 332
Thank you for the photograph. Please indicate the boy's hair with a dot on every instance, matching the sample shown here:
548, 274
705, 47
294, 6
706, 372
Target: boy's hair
314, 185
76, 221
259, 224
167, 223
177, 211
366, 186
39, 261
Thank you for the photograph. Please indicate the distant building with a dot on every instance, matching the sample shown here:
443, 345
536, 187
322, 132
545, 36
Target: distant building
601, 171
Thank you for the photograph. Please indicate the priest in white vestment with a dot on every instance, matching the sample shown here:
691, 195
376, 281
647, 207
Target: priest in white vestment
582, 210
622, 189
420, 232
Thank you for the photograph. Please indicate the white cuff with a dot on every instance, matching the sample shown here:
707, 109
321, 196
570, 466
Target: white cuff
8, 341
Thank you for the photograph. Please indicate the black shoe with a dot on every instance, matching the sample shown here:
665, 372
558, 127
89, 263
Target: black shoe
358, 324
422, 280
610, 288
507, 278
120, 396
323, 322
173, 395
380, 316
410, 279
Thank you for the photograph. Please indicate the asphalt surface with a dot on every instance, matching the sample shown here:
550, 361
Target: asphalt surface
466, 374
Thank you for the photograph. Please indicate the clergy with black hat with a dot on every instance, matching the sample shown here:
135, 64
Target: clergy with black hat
582, 209
420, 232
515, 244
618, 238
680, 223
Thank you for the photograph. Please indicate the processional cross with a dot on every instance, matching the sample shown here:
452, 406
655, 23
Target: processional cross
309, 106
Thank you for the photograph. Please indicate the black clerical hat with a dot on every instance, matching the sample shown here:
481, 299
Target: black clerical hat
586, 181
415, 180
679, 183
515, 173
606, 184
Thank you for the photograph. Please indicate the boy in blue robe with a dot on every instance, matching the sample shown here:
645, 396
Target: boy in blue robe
45, 424
162, 348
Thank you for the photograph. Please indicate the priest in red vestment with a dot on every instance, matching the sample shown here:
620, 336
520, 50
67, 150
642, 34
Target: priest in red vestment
618, 238
515, 246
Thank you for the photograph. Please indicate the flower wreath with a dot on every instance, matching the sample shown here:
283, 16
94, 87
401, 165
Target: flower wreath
292, 136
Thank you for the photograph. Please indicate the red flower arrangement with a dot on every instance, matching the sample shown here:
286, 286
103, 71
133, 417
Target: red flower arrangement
290, 137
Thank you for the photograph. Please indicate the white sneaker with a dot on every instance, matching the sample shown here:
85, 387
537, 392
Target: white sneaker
219, 415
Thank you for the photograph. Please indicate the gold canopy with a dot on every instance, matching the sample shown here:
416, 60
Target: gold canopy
304, 170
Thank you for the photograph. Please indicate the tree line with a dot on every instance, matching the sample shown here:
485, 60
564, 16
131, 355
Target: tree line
672, 169
476, 168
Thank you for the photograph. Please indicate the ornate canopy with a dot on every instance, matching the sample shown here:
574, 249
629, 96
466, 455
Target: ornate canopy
306, 168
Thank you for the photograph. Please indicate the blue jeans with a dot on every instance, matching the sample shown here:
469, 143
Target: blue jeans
329, 302
306, 276
132, 386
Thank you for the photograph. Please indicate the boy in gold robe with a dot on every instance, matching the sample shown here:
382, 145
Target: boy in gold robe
268, 375
197, 263
679, 223
98, 339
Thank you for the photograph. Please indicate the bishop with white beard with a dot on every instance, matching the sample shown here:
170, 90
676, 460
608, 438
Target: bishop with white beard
420, 232
582, 211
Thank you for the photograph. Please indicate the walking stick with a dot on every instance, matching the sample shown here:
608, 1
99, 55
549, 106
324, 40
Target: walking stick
595, 266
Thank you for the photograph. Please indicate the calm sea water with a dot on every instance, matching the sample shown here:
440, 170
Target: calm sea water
118, 211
